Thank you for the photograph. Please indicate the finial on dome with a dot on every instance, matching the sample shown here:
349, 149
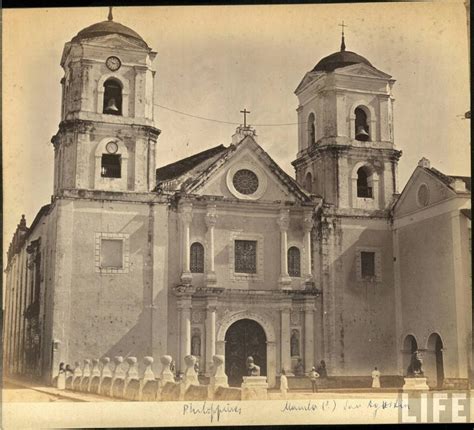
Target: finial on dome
343, 44
110, 17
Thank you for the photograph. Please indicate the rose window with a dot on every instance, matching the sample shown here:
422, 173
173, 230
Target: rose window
245, 182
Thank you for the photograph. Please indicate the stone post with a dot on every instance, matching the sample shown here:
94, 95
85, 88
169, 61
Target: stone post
95, 372
184, 308
307, 227
148, 374
190, 375
211, 220
105, 371
86, 373
284, 223
285, 339
210, 334
119, 373
77, 375
132, 372
219, 378
186, 218
308, 335
166, 373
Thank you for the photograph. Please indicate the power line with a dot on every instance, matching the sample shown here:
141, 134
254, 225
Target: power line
224, 122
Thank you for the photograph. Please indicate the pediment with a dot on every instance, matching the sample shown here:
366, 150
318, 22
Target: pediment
363, 70
412, 199
116, 41
262, 178
307, 80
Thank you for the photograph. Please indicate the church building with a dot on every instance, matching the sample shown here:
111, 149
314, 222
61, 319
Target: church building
223, 252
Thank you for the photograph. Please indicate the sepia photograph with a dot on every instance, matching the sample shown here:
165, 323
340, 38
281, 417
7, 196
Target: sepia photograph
236, 214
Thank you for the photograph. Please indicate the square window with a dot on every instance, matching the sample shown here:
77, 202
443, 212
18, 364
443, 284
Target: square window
111, 253
367, 264
245, 256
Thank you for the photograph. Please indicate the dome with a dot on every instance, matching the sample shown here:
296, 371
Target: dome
108, 27
339, 59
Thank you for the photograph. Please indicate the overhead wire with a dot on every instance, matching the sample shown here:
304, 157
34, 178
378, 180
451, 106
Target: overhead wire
224, 122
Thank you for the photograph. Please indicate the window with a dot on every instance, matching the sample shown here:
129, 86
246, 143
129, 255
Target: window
311, 129
308, 182
367, 264
246, 256
245, 181
363, 188
112, 97
111, 253
294, 262
361, 125
423, 195
197, 258
111, 167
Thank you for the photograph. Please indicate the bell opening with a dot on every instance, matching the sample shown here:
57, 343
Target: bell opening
112, 97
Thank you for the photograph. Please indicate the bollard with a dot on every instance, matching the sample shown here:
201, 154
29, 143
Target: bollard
166, 373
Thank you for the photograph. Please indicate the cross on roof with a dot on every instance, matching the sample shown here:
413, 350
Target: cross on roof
343, 45
245, 112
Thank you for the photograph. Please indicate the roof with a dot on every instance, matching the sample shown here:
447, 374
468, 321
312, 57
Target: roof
339, 59
449, 179
179, 168
105, 28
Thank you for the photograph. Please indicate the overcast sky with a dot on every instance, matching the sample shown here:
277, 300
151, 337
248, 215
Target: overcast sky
213, 61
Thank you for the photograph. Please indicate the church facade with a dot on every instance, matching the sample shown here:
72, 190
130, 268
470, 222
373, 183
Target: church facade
223, 252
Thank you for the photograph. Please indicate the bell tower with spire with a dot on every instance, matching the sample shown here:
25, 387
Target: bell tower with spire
346, 148
107, 136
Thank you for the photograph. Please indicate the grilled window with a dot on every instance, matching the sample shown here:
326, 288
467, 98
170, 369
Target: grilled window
246, 256
367, 262
197, 258
363, 187
294, 262
111, 167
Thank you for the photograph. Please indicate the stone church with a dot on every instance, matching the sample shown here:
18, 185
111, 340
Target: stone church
223, 252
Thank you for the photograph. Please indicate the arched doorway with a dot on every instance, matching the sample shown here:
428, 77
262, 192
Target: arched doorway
434, 361
409, 347
244, 338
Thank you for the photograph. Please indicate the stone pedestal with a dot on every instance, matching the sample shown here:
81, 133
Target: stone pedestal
190, 375
166, 373
254, 388
415, 384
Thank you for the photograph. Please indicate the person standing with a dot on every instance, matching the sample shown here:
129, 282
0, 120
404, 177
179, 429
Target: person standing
375, 378
323, 373
283, 384
313, 375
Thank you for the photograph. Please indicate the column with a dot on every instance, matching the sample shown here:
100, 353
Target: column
284, 223
285, 338
210, 334
307, 227
184, 309
186, 218
308, 335
211, 219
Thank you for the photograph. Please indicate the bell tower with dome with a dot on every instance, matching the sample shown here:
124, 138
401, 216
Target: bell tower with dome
346, 148
106, 138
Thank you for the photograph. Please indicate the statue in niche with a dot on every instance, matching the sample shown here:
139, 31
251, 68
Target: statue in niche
295, 343
415, 369
196, 345
252, 368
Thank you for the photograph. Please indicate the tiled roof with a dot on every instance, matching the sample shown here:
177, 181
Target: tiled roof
179, 168
448, 179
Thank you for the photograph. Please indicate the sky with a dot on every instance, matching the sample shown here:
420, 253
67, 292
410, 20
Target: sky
215, 60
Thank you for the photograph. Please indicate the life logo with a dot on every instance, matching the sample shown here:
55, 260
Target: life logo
436, 407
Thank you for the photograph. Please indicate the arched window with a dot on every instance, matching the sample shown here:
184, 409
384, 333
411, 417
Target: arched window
308, 182
112, 97
364, 188
197, 258
361, 125
311, 129
294, 262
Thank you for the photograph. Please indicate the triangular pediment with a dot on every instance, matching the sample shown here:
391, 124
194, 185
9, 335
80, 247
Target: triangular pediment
362, 70
263, 179
413, 198
307, 80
